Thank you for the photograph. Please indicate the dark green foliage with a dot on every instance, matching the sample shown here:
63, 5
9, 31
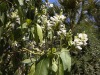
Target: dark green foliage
87, 61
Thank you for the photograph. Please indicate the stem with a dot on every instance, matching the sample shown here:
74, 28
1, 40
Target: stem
60, 42
58, 64
27, 50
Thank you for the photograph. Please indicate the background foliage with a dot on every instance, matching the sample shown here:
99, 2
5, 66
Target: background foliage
86, 62
20, 55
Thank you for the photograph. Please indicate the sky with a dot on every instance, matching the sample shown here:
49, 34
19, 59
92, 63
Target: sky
51, 1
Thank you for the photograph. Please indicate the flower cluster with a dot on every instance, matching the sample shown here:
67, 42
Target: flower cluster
62, 30
55, 25
57, 19
14, 14
80, 40
51, 22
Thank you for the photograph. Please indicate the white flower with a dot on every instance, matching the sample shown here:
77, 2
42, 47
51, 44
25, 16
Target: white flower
43, 19
49, 24
61, 26
79, 43
83, 36
43, 41
52, 18
15, 43
59, 32
36, 11
51, 5
85, 43
53, 23
80, 35
23, 38
80, 40
62, 17
64, 32
56, 18
76, 39
18, 20
79, 47
71, 42
14, 14
39, 21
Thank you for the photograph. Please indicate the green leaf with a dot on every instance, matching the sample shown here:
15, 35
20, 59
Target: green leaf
36, 38
26, 61
60, 69
21, 2
20, 13
39, 32
42, 67
32, 70
2, 18
66, 59
24, 25
54, 67
1, 29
